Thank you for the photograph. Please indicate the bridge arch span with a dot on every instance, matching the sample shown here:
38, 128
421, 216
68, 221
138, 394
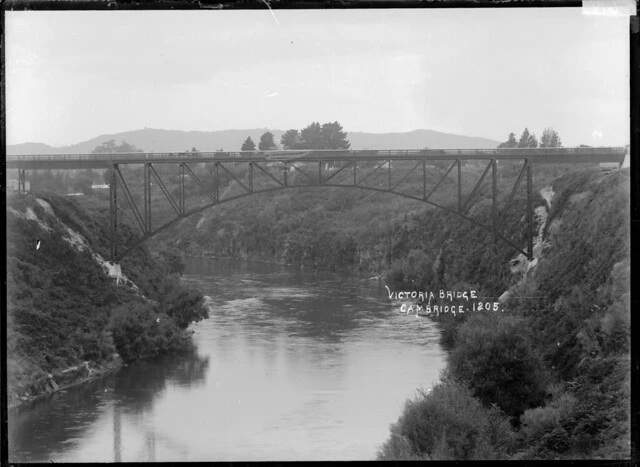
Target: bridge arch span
200, 209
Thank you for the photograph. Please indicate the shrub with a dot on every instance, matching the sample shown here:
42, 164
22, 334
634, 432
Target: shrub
184, 305
449, 326
494, 357
448, 423
138, 332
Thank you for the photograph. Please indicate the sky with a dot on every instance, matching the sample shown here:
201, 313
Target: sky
74, 75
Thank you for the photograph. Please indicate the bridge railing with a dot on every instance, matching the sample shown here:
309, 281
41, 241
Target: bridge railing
525, 152
542, 155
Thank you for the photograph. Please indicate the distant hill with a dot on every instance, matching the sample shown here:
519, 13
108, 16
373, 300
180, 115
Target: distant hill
32, 148
152, 140
418, 139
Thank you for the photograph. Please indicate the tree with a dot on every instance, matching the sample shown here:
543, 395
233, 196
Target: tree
109, 147
311, 136
290, 139
248, 145
266, 142
527, 140
126, 147
332, 137
510, 143
550, 139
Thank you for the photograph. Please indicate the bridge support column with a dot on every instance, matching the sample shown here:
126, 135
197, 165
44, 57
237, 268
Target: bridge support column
529, 213
22, 181
354, 172
494, 211
217, 182
181, 175
113, 212
147, 197
459, 186
424, 180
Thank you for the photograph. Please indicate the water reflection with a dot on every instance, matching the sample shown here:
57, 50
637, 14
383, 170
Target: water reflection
45, 430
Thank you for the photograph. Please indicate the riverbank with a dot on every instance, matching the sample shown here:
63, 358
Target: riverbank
561, 344
60, 381
67, 315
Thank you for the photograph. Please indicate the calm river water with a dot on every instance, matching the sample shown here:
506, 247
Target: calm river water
291, 365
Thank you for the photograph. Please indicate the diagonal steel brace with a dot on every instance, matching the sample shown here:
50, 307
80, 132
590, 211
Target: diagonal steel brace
134, 207
407, 175
199, 183
266, 172
337, 171
165, 191
467, 203
234, 177
444, 176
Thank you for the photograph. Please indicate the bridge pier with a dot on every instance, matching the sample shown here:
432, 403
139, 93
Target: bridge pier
22, 181
113, 212
494, 199
529, 212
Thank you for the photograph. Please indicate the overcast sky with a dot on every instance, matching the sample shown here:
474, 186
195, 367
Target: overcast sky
73, 75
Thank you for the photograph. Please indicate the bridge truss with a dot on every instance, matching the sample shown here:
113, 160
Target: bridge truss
216, 178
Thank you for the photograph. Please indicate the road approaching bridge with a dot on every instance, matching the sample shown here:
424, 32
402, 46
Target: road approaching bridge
320, 168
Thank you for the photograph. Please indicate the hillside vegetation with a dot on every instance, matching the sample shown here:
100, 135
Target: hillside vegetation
63, 309
548, 377
556, 362
545, 377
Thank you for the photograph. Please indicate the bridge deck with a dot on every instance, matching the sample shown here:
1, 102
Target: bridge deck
534, 155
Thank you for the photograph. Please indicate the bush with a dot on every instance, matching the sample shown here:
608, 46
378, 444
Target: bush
138, 332
448, 423
183, 305
449, 326
494, 357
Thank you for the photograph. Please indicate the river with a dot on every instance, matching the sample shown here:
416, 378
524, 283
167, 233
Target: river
291, 365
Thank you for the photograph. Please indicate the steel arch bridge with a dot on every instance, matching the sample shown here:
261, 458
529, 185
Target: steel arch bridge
313, 168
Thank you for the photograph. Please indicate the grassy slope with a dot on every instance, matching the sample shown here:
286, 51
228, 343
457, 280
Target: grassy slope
566, 334
581, 319
60, 302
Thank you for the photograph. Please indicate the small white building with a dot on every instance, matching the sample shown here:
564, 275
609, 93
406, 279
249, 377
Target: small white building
103, 186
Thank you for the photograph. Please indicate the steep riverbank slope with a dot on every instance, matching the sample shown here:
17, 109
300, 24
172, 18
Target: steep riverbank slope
556, 362
67, 316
